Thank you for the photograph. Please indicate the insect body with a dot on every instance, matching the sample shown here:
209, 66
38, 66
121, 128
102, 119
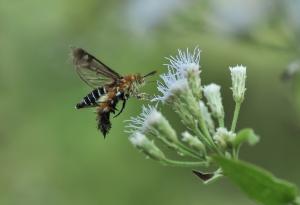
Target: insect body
109, 87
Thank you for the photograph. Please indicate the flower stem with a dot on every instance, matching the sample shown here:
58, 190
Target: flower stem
221, 122
185, 163
208, 139
235, 116
179, 147
189, 151
235, 150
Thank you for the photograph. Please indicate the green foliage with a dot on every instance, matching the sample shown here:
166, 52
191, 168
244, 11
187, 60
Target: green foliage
258, 183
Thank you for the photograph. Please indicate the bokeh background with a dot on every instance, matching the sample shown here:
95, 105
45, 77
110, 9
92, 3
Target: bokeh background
51, 153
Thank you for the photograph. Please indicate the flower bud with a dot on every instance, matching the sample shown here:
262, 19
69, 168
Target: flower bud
207, 117
194, 81
223, 137
159, 125
214, 100
238, 77
148, 147
193, 142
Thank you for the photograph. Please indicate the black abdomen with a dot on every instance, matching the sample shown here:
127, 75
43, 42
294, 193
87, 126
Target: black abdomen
91, 99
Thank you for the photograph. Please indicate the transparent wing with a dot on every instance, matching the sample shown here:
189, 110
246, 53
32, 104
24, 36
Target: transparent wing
91, 70
91, 78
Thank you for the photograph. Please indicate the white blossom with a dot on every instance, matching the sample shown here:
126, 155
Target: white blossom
223, 137
152, 121
238, 77
185, 61
172, 83
183, 72
138, 139
214, 99
143, 121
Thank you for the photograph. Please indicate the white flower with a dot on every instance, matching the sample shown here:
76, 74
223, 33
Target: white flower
238, 77
152, 121
144, 120
182, 68
223, 137
185, 61
138, 139
214, 100
172, 83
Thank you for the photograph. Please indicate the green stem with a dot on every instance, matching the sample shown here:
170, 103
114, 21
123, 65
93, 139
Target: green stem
221, 122
180, 148
235, 116
190, 151
184, 163
208, 139
235, 150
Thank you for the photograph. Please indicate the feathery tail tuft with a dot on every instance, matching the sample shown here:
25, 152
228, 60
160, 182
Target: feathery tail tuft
103, 121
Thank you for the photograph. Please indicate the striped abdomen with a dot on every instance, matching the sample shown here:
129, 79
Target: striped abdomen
91, 99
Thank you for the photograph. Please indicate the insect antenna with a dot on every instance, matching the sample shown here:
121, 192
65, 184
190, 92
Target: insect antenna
150, 74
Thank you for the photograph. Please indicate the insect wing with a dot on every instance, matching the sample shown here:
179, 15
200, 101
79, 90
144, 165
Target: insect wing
91, 70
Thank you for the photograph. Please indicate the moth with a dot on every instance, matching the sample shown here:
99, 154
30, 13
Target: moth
109, 87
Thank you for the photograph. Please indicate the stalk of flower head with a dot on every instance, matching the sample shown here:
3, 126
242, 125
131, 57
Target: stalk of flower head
152, 123
205, 138
205, 133
238, 78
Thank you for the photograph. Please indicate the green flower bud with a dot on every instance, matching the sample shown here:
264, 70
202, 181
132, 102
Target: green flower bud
148, 147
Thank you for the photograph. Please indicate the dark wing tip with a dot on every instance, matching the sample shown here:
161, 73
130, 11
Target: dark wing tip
77, 53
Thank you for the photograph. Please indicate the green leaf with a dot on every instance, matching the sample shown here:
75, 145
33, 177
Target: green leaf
258, 183
245, 135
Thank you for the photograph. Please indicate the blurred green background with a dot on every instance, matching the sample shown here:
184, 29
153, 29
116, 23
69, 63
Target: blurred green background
51, 153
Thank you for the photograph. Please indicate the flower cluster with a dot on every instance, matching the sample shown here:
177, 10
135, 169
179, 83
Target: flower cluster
200, 109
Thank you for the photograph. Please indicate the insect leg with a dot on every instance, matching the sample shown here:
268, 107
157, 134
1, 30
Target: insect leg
123, 106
